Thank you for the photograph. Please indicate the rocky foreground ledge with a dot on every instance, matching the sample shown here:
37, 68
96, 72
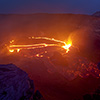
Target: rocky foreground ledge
16, 85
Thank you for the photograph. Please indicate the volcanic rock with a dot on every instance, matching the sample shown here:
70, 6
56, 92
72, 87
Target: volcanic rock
97, 14
15, 83
94, 96
38, 96
98, 65
58, 59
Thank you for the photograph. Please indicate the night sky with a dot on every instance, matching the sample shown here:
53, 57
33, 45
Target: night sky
49, 6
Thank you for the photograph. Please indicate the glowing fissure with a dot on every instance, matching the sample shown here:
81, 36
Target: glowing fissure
64, 45
78, 66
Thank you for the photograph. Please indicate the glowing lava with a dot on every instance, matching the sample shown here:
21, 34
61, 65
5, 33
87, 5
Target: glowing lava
11, 50
59, 43
77, 66
12, 41
67, 46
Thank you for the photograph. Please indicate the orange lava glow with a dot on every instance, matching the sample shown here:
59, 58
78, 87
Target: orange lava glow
62, 44
77, 65
18, 50
12, 41
67, 45
11, 50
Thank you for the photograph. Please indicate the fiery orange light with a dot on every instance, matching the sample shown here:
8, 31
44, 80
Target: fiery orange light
41, 55
11, 41
65, 46
11, 50
18, 50
37, 55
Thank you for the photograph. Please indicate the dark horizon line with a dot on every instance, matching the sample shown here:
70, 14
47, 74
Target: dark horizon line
41, 13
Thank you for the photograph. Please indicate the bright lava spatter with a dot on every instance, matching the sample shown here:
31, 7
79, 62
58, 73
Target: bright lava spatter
17, 48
